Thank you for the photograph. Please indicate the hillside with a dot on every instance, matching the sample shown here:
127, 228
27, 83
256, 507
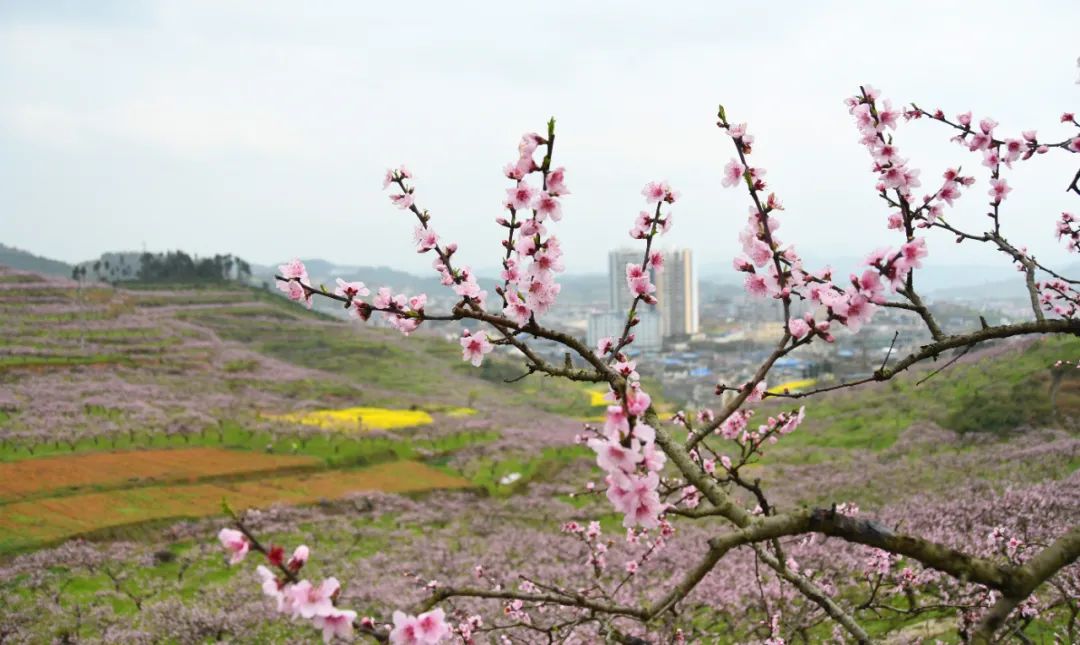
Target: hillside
128, 415
25, 261
90, 369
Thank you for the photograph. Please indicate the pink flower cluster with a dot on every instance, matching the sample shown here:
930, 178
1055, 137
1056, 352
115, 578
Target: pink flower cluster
402, 312
300, 599
639, 277
426, 629
296, 284
535, 257
591, 536
462, 281
1069, 230
737, 427
403, 200
626, 450
1059, 297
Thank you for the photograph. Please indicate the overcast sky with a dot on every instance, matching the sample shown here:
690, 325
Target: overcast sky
262, 128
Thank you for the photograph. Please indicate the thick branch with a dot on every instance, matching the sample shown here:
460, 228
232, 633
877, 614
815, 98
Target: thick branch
1063, 552
933, 350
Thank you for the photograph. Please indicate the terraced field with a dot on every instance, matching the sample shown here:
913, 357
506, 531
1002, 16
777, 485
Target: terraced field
52, 476
47, 520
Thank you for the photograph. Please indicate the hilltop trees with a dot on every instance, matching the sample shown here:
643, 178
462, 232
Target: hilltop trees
171, 266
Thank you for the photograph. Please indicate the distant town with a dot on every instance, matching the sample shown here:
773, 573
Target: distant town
700, 333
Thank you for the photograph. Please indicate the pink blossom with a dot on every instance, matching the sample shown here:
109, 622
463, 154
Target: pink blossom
912, 252
270, 584
516, 309
403, 201
521, 196
1014, 148
299, 558
637, 498
613, 456
529, 142
555, 182
235, 543
393, 175
887, 116
295, 280
798, 327
755, 285
857, 311
999, 188
979, 141
350, 289
548, 206
637, 279
652, 458
426, 629
426, 239
517, 170
659, 191
642, 226
637, 401
310, 601
406, 630
733, 173
432, 626
338, 622
474, 346
626, 369
295, 291
383, 298
615, 422
949, 191
294, 270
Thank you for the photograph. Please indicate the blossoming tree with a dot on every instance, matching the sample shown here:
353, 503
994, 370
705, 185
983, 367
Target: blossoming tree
660, 472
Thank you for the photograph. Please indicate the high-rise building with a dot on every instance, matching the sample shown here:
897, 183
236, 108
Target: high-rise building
618, 291
610, 324
676, 290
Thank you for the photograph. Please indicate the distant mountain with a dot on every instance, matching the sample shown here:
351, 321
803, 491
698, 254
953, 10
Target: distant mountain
26, 261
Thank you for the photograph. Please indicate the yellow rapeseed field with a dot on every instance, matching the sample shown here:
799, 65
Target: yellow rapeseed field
793, 386
359, 418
